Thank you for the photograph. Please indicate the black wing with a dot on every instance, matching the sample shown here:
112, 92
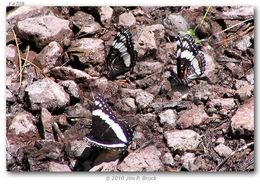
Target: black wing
121, 57
190, 61
107, 131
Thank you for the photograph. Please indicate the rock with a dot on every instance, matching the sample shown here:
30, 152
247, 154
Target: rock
250, 76
11, 53
236, 12
159, 105
88, 50
105, 167
43, 30
167, 159
147, 159
58, 167
23, 123
210, 66
237, 71
71, 88
188, 160
24, 12
9, 96
81, 19
109, 87
47, 121
79, 111
127, 19
68, 73
146, 41
195, 116
182, 140
46, 149
90, 29
106, 13
174, 24
223, 150
225, 106
143, 99
242, 122
244, 90
50, 56
220, 140
46, 93
168, 118
158, 30
244, 43
126, 104
146, 68
75, 148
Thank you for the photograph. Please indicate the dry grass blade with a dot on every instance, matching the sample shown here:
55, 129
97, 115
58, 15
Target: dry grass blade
19, 54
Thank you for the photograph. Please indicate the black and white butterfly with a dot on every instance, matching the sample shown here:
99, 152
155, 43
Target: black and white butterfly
107, 131
191, 62
121, 57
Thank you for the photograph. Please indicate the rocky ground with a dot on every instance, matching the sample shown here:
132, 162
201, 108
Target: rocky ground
208, 126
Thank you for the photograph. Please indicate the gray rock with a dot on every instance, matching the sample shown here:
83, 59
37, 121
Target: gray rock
244, 43
68, 73
23, 123
42, 30
146, 41
46, 93
75, 148
144, 68
127, 19
193, 117
237, 70
158, 30
147, 159
188, 160
223, 150
239, 11
242, 122
225, 106
88, 50
106, 13
127, 104
182, 139
127, 92
244, 90
167, 159
9, 96
24, 12
143, 99
82, 19
105, 167
109, 87
58, 167
250, 76
47, 120
11, 53
90, 29
71, 88
78, 110
175, 23
220, 140
168, 118
50, 56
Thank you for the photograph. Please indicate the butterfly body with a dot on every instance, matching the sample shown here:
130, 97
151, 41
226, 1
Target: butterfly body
107, 131
121, 57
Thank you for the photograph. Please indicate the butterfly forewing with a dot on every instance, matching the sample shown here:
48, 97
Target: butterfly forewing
107, 131
121, 57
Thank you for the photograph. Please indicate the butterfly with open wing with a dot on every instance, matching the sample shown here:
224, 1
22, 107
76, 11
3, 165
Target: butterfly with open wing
107, 131
191, 62
121, 57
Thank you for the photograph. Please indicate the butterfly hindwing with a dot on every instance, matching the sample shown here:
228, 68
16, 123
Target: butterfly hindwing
121, 57
107, 131
190, 61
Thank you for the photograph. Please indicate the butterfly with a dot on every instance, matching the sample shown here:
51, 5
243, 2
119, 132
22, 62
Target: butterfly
191, 62
107, 131
121, 57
